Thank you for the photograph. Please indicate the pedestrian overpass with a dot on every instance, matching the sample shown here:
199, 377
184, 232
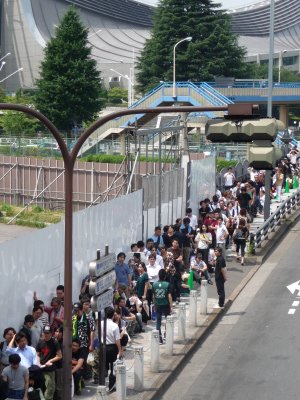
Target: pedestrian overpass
198, 94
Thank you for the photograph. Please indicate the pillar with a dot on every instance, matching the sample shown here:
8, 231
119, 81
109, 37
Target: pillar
193, 308
284, 114
203, 302
154, 351
138, 368
169, 335
182, 321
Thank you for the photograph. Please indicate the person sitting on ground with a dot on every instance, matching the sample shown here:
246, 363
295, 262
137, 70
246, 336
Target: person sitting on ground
77, 366
17, 377
117, 319
199, 269
127, 316
135, 305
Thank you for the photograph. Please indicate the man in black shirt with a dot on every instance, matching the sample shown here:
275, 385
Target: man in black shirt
77, 365
49, 353
220, 275
244, 199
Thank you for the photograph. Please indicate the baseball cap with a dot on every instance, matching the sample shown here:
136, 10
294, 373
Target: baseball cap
77, 306
47, 329
28, 318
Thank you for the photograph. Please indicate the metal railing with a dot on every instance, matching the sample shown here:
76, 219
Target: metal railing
285, 209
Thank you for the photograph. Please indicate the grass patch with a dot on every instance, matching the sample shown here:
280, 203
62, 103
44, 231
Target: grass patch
34, 216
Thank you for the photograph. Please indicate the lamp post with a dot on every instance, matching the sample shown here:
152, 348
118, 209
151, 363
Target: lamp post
187, 39
6, 55
13, 73
129, 79
280, 64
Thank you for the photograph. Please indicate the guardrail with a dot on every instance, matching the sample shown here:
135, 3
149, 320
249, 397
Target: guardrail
286, 208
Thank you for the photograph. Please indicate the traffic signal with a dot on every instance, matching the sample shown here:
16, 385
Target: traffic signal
223, 131
263, 155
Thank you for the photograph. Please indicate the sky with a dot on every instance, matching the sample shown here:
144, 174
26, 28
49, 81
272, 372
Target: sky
226, 3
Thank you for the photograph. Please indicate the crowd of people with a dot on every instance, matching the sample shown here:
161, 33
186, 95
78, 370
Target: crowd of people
150, 280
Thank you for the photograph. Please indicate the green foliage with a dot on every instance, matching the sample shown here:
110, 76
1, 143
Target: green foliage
260, 71
16, 123
213, 51
8, 209
118, 158
69, 85
32, 224
222, 163
117, 95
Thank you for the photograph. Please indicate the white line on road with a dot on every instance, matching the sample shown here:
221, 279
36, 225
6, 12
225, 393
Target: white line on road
295, 303
292, 311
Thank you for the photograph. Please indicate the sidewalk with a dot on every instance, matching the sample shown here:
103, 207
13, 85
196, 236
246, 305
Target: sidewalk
238, 277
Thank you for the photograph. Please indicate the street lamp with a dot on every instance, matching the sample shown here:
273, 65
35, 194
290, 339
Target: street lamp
187, 39
280, 63
13, 73
129, 79
6, 55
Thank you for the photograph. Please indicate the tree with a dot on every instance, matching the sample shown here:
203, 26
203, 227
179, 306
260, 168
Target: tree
69, 88
117, 95
213, 51
15, 123
260, 71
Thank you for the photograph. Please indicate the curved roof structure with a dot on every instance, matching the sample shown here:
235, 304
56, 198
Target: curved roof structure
118, 30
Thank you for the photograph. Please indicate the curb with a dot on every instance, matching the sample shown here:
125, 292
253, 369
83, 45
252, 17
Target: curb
176, 365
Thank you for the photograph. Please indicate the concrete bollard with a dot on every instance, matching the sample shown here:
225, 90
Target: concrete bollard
169, 335
154, 351
138, 368
193, 308
182, 321
121, 381
101, 393
203, 301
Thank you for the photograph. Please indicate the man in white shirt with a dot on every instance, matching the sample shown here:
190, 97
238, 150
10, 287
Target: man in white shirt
113, 345
229, 179
221, 235
193, 218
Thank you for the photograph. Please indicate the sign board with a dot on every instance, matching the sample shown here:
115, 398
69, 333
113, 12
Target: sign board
100, 267
103, 283
99, 303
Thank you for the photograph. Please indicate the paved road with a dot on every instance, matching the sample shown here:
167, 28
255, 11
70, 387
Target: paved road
253, 353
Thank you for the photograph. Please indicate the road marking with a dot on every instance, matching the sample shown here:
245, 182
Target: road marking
292, 311
295, 303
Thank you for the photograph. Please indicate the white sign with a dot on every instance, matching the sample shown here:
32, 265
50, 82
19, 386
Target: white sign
101, 302
100, 267
103, 283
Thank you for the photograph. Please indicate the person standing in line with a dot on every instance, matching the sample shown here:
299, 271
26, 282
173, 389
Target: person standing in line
162, 300
229, 179
220, 276
113, 345
17, 377
49, 353
221, 235
8, 335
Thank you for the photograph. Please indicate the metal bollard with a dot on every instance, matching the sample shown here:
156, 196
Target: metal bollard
203, 302
101, 393
138, 368
169, 335
193, 308
154, 351
121, 381
181, 321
